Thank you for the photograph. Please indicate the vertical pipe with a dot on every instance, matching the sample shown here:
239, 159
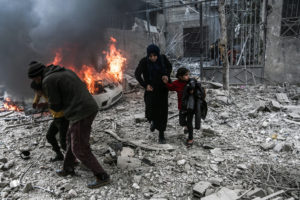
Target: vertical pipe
265, 2
201, 40
148, 24
231, 32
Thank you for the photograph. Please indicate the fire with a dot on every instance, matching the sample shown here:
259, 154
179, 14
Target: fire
90, 76
10, 105
58, 57
115, 61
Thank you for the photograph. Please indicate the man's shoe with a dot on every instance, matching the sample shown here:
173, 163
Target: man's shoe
162, 141
101, 180
63, 172
152, 127
161, 138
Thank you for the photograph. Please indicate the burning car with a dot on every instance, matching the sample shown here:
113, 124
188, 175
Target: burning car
109, 95
104, 85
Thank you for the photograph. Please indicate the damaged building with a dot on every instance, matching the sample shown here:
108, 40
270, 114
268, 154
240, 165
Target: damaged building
190, 31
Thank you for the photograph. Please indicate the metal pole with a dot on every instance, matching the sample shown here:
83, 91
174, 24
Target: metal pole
148, 24
201, 40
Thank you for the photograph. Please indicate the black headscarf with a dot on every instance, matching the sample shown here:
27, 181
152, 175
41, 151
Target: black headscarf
156, 69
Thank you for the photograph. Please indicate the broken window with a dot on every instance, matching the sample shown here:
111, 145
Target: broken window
290, 23
195, 42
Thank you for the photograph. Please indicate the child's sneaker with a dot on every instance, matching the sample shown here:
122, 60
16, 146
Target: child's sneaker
189, 142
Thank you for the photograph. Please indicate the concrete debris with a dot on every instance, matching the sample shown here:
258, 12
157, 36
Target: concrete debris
27, 188
274, 105
216, 151
208, 132
242, 166
215, 85
294, 117
181, 162
216, 181
139, 118
223, 194
267, 146
282, 98
200, 188
231, 150
126, 151
72, 194
128, 162
3, 160
8, 165
14, 183
283, 147
257, 192
93, 197
136, 186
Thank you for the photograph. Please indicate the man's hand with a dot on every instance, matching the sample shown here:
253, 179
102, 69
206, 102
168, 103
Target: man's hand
165, 79
149, 88
34, 105
191, 91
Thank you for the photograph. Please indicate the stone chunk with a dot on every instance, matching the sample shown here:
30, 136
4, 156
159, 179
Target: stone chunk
139, 118
27, 188
257, 192
223, 194
216, 181
283, 147
72, 193
127, 152
274, 105
14, 183
267, 146
128, 162
3, 160
282, 98
200, 188
181, 162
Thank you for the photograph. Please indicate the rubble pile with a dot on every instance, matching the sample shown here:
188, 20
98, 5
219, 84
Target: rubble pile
248, 148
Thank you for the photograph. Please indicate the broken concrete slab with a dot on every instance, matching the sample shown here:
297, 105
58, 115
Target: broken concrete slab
27, 188
282, 98
208, 132
126, 151
215, 181
257, 192
139, 118
283, 147
294, 116
14, 183
223, 194
200, 188
274, 105
267, 146
128, 162
215, 85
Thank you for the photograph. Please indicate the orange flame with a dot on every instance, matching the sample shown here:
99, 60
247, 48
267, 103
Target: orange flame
115, 61
90, 76
10, 105
58, 57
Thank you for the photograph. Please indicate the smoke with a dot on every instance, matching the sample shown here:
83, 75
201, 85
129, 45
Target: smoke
36, 29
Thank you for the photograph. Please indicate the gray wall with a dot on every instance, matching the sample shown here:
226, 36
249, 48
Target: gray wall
282, 54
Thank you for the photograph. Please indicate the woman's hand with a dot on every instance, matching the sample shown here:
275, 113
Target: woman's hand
149, 88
